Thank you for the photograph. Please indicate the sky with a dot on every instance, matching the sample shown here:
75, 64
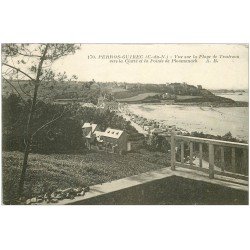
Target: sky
229, 73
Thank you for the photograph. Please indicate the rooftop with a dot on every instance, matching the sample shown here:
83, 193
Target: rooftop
89, 125
113, 133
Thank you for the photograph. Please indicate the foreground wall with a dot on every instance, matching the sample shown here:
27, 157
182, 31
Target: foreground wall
173, 190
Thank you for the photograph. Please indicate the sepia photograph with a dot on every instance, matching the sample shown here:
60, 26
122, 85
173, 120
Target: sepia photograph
125, 124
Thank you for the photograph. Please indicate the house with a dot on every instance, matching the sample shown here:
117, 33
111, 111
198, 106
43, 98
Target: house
115, 139
88, 130
112, 140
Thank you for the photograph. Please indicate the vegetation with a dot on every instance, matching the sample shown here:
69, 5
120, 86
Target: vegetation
64, 134
49, 172
33, 62
148, 93
179, 92
138, 97
74, 165
158, 143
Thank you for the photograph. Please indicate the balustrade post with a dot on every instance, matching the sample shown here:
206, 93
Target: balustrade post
200, 154
182, 153
245, 160
233, 160
211, 161
173, 149
222, 158
191, 155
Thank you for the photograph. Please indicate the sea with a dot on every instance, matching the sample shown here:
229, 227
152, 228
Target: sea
243, 97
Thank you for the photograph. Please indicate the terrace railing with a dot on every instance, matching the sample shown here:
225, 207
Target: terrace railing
235, 172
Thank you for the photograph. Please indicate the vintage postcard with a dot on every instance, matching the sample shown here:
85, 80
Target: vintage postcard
125, 124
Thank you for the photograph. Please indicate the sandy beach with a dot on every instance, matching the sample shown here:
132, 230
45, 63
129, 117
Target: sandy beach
215, 121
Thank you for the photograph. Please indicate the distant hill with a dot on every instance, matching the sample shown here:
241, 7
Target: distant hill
177, 92
122, 92
172, 88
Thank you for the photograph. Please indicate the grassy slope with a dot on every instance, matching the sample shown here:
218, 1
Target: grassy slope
188, 97
138, 97
63, 171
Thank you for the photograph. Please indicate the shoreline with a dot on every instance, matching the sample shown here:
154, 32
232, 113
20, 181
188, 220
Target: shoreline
148, 126
198, 104
150, 123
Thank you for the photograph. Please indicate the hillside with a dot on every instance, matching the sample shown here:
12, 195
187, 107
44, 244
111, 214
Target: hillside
139, 97
123, 92
179, 93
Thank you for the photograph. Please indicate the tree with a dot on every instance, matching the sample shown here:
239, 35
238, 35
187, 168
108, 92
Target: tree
33, 63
